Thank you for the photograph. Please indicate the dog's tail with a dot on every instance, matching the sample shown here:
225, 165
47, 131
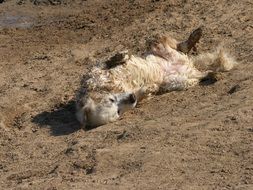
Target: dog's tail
217, 61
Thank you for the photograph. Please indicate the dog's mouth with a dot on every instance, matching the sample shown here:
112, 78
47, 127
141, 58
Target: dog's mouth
128, 100
127, 103
132, 98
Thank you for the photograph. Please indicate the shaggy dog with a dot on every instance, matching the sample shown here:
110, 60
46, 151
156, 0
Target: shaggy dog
108, 91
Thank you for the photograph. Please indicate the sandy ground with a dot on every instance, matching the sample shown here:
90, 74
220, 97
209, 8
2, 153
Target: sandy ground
201, 138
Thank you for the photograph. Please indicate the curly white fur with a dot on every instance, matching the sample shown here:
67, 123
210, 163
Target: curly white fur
106, 92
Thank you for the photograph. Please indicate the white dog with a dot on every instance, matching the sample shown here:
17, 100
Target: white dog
110, 90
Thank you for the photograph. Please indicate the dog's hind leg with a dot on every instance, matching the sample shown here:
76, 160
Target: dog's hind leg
165, 46
191, 42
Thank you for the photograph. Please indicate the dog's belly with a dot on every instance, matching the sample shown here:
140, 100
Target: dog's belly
178, 73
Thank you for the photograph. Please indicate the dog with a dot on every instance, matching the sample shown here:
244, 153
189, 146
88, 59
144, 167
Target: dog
117, 85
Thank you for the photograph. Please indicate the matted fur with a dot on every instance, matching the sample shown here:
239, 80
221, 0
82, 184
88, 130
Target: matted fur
106, 93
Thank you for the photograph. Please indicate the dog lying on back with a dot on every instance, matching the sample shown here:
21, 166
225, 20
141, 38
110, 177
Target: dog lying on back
110, 90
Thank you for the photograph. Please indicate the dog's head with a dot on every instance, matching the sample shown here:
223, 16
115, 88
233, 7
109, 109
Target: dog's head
97, 109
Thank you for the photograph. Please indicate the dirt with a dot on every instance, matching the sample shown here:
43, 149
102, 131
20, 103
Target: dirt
201, 138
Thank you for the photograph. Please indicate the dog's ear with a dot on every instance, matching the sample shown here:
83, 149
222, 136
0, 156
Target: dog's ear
84, 109
85, 101
88, 107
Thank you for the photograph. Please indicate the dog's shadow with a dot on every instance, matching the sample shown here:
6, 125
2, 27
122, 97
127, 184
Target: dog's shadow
60, 119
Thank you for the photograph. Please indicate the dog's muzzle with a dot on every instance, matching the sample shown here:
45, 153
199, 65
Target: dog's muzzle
132, 98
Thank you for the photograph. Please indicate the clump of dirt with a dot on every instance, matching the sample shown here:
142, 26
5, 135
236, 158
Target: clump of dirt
196, 139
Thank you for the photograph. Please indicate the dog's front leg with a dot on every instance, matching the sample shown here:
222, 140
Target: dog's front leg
118, 59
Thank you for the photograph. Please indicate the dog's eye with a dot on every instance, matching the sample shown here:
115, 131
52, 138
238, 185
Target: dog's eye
111, 99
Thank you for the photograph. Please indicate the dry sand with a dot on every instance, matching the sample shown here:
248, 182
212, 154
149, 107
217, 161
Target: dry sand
201, 138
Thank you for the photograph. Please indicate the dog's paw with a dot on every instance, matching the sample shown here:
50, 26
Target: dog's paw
117, 59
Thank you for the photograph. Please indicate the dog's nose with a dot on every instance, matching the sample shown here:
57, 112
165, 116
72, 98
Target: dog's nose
132, 98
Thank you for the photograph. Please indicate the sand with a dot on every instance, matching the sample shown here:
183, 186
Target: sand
201, 138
